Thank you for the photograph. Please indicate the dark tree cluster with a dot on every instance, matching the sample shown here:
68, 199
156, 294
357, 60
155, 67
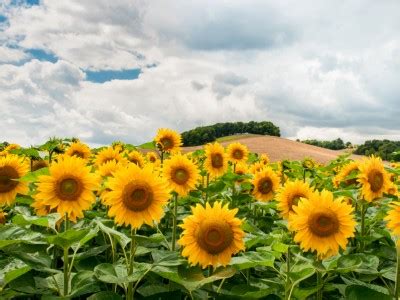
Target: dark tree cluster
207, 134
387, 150
337, 144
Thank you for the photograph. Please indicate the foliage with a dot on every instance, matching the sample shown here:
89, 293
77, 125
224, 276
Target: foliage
206, 134
337, 144
387, 150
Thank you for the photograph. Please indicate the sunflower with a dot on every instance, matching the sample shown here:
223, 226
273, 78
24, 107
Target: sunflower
39, 164
393, 218
216, 162
308, 163
137, 158
3, 217
152, 157
374, 179
264, 159
211, 235
109, 154
289, 196
78, 149
322, 224
393, 189
256, 167
12, 147
181, 173
12, 168
68, 189
137, 196
344, 172
168, 140
266, 183
241, 169
108, 168
237, 152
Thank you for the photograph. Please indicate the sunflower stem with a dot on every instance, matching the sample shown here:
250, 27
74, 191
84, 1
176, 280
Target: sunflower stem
319, 282
174, 221
207, 183
362, 242
66, 277
131, 260
304, 175
288, 286
397, 286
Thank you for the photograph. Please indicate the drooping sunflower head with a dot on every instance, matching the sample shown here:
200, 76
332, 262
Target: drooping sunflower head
349, 169
137, 158
68, 189
264, 159
12, 168
393, 219
257, 167
241, 169
181, 174
107, 169
109, 154
137, 196
211, 235
237, 152
374, 178
216, 162
266, 183
322, 224
393, 189
290, 194
308, 163
39, 164
79, 149
168, 140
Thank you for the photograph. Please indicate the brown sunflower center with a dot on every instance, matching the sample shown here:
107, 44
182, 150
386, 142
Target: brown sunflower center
137, 197
40, 164
214, 236
78, 154
375, 179
69, 189
265, 186
135, 161
323, 224
180, 176
152, 159
217, 161
238, 154
167, 143
294, 201
7, 174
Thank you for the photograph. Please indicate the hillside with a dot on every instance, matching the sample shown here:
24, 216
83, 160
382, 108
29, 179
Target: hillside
280, 148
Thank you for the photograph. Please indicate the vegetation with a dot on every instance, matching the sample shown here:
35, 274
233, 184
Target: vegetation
206, 134
387, 150
337, 144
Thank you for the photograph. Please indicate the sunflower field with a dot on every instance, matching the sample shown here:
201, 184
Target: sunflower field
216, 223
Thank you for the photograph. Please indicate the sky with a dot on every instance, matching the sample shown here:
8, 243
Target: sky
105, 70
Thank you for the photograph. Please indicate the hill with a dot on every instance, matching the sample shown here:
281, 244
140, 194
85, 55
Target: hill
280, 148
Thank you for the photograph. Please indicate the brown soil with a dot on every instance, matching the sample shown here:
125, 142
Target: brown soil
280, 148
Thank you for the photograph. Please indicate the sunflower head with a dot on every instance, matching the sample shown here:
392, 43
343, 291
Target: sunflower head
39, 164
264, 159
181, 174
309, 163
237, 152
393, 219
322, 224
216, 162
290, 194
348, 169
12, 147
211, 235
108, 154
241, 169
168, 140
136, 196
12, 168
3, 217
79, 149
374, 178
107, 169
68, 189
137, 158
257, 167
266, 183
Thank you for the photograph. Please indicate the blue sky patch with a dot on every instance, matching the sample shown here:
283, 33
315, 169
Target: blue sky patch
2, 18
25, 2
42, 55
108, 75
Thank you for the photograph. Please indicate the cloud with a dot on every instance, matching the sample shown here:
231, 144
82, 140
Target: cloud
317, 70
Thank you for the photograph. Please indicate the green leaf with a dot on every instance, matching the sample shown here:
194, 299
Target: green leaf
252, 259
167, 258
33, 176
118, 273
14, 274
118, 236
91, 252
359, 292
105, 296
84, 283
67, 238
348, 263
22, 220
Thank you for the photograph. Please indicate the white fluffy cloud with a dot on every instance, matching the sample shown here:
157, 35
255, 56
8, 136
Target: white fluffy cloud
317, 70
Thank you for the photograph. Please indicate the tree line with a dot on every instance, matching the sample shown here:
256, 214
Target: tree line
206, 134
386, 149
337, 144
